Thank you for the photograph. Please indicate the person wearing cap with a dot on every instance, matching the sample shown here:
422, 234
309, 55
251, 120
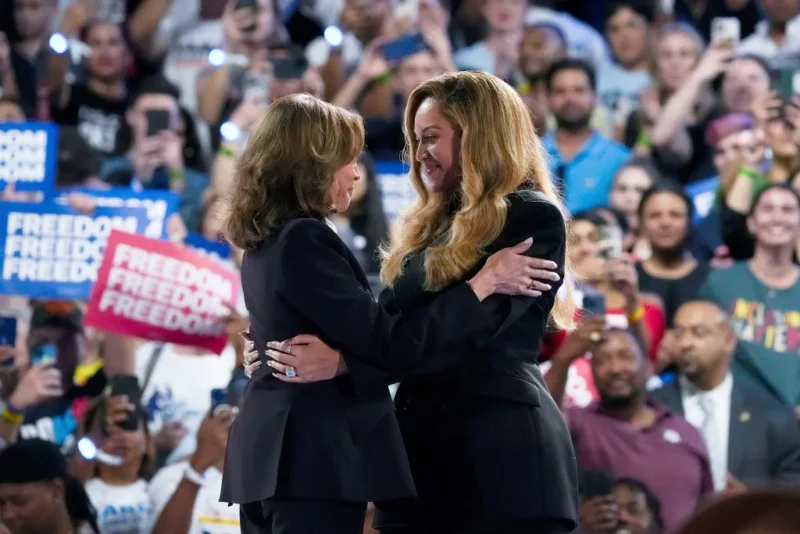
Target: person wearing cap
45, 402
751, 437
38, 496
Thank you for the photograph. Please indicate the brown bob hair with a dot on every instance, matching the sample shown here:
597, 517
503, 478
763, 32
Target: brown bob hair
288, 165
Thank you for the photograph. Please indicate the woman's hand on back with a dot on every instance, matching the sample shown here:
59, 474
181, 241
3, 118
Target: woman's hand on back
309, 358
510, 272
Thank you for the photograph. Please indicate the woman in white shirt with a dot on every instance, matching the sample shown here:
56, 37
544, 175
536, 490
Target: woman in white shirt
119, 492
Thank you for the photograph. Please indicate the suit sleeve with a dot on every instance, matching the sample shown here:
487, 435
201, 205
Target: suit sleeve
543, 222
784, 440
320, 283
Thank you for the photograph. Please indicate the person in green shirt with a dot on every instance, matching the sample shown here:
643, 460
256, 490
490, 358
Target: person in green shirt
762, 296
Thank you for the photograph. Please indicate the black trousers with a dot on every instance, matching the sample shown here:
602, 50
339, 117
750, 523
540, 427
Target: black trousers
540, 526
302, 516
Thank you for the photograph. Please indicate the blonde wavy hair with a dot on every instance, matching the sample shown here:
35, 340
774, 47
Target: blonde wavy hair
288, 166
500, 154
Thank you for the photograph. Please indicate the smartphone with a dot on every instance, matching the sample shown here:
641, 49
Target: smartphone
8, 331
127, 385
594, 304
610, 242
219, 400
247, 4
44, 354
403, 47
289, 68
157, 121
258, 84
787, 83
726, 30
595, 483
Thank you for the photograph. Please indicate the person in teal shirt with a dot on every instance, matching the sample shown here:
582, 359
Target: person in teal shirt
762, 296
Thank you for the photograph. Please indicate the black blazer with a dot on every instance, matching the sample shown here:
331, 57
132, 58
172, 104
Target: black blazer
764, 436
336, 439
485, 439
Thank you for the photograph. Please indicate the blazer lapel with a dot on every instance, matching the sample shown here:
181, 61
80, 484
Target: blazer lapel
740, 421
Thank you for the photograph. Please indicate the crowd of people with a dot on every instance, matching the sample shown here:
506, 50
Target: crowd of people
676, 152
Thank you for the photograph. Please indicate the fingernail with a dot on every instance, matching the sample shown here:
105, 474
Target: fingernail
271, 344
547, 286
556, 277
529, 240
244, 335
270, 363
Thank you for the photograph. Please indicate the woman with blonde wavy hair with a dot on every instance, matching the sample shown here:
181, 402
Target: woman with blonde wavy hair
488, 448
304, 458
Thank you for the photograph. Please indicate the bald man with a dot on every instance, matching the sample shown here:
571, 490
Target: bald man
752, 439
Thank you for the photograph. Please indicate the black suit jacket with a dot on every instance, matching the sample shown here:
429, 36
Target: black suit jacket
336, 439
485, 439
764, 436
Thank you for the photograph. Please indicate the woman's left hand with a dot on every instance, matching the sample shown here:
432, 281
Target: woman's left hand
304, 359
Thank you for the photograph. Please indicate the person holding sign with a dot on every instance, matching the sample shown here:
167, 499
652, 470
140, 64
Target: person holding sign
308, 458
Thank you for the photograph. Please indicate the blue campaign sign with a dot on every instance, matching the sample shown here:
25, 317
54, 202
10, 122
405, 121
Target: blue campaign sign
159, 205
703, 194
28, 155
52, 252
213, 249
396, 191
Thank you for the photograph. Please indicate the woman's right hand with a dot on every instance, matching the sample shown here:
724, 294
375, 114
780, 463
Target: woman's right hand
250, 359
510, 272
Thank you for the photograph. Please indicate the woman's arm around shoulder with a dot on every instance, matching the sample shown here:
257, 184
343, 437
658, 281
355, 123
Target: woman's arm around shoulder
320, 283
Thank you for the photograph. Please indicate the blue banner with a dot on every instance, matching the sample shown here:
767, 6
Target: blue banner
205, 247
52, 252
396, 191
28, 155
703, 194
158, 204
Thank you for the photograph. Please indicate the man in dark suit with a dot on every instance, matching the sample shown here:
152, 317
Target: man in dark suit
751, 438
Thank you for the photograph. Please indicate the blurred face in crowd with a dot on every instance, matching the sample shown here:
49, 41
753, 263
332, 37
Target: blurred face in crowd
775, 221
129, 445
415, 70
31, 508
704, 339
726, 151
32, 17
779, 135
504, 15
364, 18
781, 11
634, 516
626, 192
11, 112
665, 221
137, 116
619, 369
109, 58
676, 56
343, 186
584, 251
744, 79
541, 46
438, 149
571, 99
70, 345
626, 31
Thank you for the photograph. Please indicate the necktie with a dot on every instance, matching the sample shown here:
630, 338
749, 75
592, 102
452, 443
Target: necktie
708, 430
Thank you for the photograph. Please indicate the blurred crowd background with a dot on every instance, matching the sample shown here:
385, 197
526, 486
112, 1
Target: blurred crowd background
673, 128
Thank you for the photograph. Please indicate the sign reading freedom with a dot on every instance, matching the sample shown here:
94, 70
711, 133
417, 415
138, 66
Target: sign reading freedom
158, 291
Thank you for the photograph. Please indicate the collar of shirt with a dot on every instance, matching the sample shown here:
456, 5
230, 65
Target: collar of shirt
551, 145
720, 394
761, 38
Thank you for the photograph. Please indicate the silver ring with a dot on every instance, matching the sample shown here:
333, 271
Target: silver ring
291, 372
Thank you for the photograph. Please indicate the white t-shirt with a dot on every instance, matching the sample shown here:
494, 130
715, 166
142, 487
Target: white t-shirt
120, 509
209, 515
180, 388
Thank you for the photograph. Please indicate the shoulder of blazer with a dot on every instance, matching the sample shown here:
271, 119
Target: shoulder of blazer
667, 394
762, 401
300, 234
532, 207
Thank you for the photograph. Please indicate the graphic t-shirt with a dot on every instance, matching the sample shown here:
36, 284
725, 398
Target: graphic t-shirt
209, 516
767, 325
120, 509
98, 120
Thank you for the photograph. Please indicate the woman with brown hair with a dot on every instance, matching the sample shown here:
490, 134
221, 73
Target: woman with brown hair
488, 447
308, 458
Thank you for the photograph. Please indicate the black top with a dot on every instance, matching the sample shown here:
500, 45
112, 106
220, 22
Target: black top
338, 439
485, 439
100, 121
674, 292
